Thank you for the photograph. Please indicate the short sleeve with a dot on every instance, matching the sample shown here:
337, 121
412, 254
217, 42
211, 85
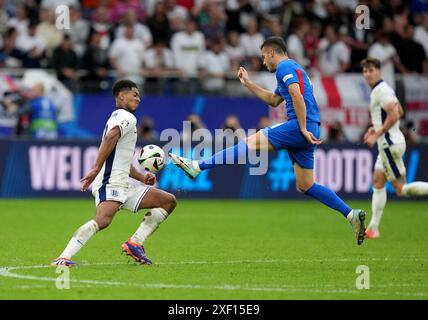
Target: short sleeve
277, 92
287, 74
124, 120
387, 96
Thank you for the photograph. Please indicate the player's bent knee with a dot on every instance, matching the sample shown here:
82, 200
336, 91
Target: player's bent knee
170, 203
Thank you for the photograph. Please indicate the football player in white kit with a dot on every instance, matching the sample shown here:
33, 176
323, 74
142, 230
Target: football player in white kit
385, 112
111, 187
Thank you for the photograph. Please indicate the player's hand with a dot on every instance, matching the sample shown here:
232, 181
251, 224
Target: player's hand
369, 131
88, 179
149, 179
371, 137
310, 137
243, 76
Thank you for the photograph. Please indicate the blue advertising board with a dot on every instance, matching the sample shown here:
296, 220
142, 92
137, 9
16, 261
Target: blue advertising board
54, 169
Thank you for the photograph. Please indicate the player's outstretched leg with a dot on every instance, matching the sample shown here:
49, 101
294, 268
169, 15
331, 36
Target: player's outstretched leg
161, 205
226, 156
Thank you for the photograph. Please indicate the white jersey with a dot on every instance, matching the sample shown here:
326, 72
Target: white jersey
115, 171
381, 95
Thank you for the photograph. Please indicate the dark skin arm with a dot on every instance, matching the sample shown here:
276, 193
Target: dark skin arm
147, 178
106, 147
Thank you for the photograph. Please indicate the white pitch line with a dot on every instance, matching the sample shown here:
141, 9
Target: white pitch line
7, 272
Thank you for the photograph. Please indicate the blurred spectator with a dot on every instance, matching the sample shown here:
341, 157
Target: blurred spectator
421, 33
214, 65
295, 42
312, 40
141, 32
146, 131
233, 50
336, 133
334, 16
159, 65
215, 25
32, 46
10, 56
333, 53
102, 25
251, 40
126, 55
95, 61
20, 21
53, 4
48, 31
78, 32
42, 111
187, 47
358, 41
175, 11
411, 53
273, 27
119, 8
159, 24
65, 62
383, 50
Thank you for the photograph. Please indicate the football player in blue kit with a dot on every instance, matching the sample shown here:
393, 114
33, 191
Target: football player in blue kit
299, 135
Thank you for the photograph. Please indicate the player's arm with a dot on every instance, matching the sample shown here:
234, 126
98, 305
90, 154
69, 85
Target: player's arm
265, 95
300, 110
392, 110
392, 116
147, 178
107, 145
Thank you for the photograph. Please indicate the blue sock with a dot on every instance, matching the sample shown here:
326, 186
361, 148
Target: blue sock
226, 156
329, 198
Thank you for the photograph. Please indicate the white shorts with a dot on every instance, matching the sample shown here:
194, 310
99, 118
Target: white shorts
390, 161
129, 197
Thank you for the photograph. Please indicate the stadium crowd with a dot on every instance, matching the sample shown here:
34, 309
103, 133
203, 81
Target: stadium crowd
197, 45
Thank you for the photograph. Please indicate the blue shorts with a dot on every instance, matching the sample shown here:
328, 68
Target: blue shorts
287, 136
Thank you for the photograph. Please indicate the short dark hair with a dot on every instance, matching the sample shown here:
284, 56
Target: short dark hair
370, 62
122, 85
276, 43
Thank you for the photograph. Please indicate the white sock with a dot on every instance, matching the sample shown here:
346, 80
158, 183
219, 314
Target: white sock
378, 205
417, 188
151, 222
80, 237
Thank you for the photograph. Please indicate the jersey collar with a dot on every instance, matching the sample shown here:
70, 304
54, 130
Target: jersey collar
377, 83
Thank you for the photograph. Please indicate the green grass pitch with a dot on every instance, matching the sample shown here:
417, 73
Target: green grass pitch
216, 250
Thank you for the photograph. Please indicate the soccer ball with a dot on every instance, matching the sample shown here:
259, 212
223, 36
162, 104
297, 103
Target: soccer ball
151, 158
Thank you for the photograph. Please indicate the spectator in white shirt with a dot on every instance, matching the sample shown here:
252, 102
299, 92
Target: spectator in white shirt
213, 68
251, 40
78, 32
295, 43
126, 55
141, 31
334, 54
233, 50
421, 33
187, 47
20, 21
383, 50
33, 47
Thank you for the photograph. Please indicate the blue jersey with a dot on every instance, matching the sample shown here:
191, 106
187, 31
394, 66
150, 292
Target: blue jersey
288, 72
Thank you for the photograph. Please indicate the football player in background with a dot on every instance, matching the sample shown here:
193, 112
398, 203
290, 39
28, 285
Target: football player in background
385, 112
